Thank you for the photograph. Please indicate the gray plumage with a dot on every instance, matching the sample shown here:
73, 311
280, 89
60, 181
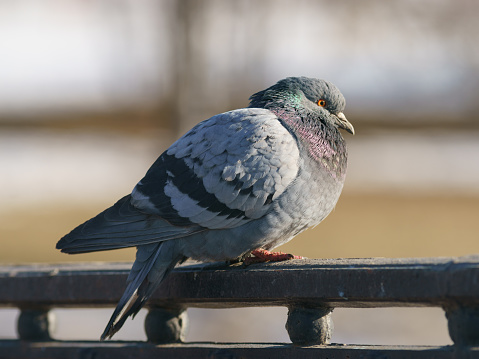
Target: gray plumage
242, 180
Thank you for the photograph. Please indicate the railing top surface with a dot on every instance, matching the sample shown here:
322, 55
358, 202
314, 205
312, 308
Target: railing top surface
370, 282
427, 263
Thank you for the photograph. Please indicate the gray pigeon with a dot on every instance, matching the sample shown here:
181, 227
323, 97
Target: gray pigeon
240, 183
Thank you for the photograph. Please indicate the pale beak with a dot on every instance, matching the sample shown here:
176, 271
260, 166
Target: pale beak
344, 123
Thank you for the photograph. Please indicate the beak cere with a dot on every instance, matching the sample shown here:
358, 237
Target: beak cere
344, 123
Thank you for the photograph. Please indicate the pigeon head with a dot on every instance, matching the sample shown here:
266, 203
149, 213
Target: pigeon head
313, 110
310, 98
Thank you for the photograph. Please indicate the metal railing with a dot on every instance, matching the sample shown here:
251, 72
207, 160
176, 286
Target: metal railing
310, 289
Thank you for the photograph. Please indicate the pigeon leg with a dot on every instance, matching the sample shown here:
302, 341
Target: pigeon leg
262, 255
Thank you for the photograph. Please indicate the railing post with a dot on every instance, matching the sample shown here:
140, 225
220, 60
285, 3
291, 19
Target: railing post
166, 325
309, 326
35, 324
463, 324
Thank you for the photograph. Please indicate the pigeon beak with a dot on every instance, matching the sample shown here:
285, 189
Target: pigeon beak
344, 123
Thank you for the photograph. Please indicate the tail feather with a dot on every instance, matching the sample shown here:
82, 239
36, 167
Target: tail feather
146, 275
123, 225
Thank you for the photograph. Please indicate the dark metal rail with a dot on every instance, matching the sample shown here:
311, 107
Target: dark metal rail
309, 288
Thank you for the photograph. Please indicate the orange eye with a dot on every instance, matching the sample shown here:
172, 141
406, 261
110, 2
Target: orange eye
322, 103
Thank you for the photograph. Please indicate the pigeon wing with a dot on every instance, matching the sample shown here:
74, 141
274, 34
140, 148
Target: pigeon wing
121, 226
223, 173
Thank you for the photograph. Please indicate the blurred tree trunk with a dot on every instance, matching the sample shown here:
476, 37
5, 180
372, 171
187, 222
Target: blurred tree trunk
188, 96
210, 74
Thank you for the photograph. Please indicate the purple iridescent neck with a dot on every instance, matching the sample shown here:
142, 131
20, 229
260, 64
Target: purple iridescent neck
324, 143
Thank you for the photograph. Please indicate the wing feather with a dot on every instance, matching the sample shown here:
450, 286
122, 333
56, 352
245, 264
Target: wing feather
121, 226
223, 173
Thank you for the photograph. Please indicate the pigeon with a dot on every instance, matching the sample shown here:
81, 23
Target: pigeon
237, 184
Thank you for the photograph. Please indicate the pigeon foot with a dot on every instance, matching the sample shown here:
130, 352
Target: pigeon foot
262, 256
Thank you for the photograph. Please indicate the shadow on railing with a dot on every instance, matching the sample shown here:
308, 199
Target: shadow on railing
311, 289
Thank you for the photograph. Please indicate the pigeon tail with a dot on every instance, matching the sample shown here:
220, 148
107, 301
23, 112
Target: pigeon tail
145, 276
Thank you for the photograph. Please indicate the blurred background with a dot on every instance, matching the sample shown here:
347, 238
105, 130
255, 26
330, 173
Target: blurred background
91, 92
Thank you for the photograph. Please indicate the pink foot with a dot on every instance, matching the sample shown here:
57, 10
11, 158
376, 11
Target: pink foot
262, 255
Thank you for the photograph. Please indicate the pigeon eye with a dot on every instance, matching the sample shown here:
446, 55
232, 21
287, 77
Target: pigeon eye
322, 103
